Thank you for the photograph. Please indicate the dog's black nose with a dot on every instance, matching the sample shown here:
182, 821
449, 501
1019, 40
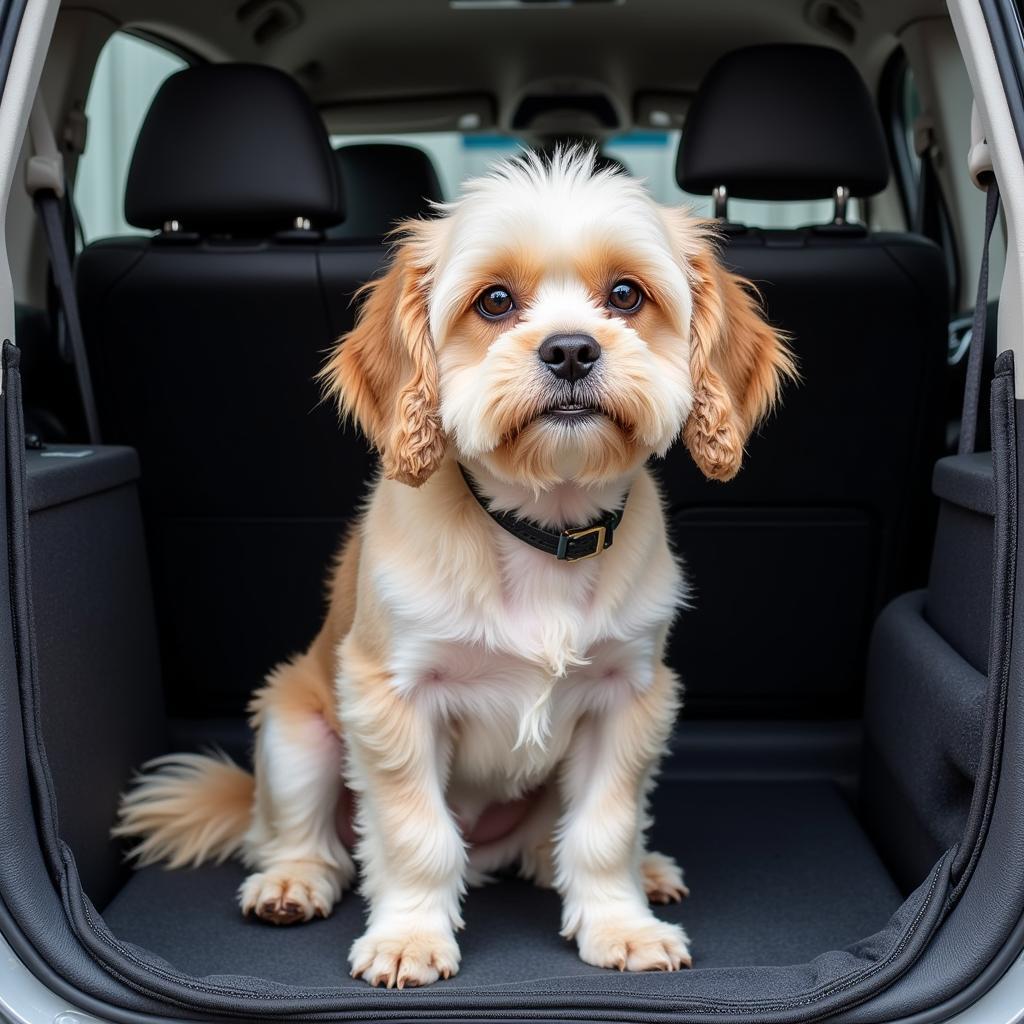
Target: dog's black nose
570, 356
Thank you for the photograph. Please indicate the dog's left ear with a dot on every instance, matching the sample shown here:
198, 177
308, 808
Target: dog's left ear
384, 372
738, 361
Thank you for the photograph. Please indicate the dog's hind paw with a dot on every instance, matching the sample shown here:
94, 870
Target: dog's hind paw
663, 879
644, 945
404, 961
290, 893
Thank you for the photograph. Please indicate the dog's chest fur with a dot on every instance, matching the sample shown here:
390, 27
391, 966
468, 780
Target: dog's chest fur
510, 669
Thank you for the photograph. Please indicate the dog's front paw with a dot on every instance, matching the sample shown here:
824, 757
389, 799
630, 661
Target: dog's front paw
646, 944
663, 879
404, 960
291, 892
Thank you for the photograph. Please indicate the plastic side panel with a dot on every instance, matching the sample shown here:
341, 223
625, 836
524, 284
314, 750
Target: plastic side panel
959, 601
966, 480
923, 722
63, 472
99, 680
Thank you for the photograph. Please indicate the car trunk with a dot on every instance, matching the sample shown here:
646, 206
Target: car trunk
815, 848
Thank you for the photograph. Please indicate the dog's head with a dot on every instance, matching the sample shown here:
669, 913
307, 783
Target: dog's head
557, 324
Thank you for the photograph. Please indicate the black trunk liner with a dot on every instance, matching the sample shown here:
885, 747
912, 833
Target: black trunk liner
779, 872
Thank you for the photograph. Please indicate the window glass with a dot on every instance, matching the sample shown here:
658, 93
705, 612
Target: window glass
455, 156
905, 105
650, 155
128, 73
910, 111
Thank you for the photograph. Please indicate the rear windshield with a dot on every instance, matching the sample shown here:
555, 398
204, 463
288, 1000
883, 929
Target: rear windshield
650, 155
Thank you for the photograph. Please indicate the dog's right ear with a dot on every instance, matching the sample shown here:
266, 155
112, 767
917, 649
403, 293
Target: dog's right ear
738, 361
383, 373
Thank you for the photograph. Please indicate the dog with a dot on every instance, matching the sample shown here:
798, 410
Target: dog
488, 687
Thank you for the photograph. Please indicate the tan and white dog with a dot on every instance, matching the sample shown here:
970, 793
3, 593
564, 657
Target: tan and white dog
473, 702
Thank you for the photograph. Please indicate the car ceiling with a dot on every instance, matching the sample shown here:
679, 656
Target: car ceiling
348, 51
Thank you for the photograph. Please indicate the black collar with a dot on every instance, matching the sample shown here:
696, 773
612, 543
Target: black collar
568, 545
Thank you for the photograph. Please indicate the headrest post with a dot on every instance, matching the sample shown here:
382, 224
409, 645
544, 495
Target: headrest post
841, 199
720, 195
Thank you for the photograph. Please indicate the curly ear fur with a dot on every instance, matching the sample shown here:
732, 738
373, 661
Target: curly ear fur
384, 373
738, 361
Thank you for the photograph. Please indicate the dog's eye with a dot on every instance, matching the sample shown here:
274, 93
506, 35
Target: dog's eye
495, 303
625, 296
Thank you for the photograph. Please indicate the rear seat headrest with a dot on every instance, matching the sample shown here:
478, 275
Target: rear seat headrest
782, 122
232, 147
385, 183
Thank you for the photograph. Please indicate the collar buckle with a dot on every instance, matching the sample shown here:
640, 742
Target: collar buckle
552, 542
562, 552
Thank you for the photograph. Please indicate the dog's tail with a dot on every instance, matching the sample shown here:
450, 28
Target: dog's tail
186, 809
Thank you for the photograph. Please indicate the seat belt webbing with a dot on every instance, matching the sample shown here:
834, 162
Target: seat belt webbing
976, 354
45, 183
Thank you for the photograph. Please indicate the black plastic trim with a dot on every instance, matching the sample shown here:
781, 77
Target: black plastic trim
966, 481
188, 55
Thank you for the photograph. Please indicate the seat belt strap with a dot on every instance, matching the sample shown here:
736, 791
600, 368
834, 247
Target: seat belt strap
44, 180
976, 353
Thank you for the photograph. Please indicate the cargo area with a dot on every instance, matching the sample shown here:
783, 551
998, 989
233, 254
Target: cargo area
798, 837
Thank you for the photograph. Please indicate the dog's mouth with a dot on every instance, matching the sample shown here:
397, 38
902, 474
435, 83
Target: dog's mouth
574, 413
571, 411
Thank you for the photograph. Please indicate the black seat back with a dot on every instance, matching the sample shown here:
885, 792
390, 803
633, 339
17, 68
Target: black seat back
386, 183
204, 341
831, 514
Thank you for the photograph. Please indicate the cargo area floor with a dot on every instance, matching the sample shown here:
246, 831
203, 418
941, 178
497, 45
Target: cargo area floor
779, 872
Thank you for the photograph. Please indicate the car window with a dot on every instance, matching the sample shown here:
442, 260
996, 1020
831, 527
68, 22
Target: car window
901, 105
455, 156
128, 73
910, 111
650, 155
922, 176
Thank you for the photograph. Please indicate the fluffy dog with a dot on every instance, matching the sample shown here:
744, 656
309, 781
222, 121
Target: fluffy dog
475, 700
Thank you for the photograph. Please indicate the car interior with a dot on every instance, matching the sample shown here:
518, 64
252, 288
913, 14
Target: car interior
223, 208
